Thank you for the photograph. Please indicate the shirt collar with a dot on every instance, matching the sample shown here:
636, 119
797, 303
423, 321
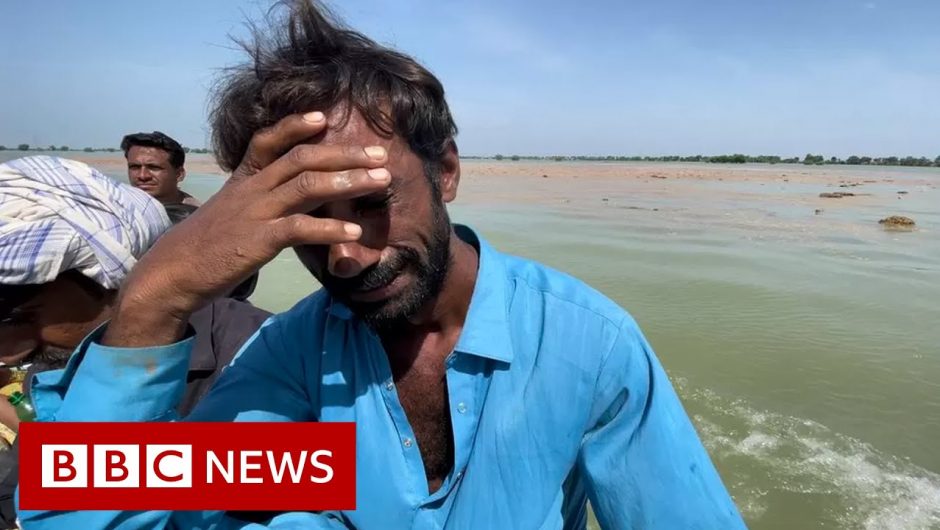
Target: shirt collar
486, 331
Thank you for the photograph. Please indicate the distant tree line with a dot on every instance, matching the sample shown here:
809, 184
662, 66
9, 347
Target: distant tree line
809, 159
27, 147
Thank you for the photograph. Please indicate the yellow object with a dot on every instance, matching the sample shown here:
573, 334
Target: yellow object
16, 386
7, 434
8, 390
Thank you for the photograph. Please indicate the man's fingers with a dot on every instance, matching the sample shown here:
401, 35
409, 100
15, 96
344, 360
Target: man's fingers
310, 189
307, 157
268, 144
300, 229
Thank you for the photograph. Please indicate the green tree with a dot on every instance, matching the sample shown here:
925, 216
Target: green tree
52, 148
23, 147
937, 161
4, 148
64, 148
88, 150
736, 158
853, 160
498, 157
514, 158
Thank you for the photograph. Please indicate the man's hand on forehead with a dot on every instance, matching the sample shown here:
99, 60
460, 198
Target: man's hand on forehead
260, 211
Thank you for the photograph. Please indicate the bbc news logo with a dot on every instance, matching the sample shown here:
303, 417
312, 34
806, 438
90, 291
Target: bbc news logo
116, 466
187, 466
171, 466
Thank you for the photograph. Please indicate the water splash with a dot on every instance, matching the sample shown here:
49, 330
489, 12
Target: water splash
776, 465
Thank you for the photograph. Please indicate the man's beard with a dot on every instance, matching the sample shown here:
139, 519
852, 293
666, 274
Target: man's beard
429, 275
50, 357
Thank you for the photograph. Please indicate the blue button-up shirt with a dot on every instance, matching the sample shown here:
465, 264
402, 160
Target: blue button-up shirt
555, 398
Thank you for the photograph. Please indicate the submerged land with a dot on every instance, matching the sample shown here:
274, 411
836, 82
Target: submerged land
806, 197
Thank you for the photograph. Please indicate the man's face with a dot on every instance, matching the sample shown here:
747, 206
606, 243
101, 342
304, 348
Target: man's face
400, 262
48, 324
149, 169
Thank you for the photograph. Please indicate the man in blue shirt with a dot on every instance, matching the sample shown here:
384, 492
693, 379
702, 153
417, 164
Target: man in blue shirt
488, 391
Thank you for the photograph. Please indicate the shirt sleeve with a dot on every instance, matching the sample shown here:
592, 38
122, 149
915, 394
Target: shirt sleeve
644, 464
100, 383
264, 382
164, 520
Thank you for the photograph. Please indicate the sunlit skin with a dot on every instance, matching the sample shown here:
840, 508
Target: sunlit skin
52, 323
149, 169
342, 174
58, 318
403, 219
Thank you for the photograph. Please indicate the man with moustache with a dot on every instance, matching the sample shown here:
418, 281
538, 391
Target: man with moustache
488, 391
155, 165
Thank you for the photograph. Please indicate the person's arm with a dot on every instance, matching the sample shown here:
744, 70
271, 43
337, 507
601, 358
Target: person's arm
156, 520
108, 384
9, 471
264, 383
104, 383
8, 415
644, 464
135, 369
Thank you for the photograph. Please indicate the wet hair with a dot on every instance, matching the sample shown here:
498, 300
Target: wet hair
309, 60
178, 212
160, 141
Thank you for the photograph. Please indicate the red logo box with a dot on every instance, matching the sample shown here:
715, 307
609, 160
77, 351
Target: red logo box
188, 466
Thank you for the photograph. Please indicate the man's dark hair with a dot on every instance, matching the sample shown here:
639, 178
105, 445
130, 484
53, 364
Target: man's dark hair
160, 141
309, 61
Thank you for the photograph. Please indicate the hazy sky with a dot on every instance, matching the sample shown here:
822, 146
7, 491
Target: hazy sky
528, 77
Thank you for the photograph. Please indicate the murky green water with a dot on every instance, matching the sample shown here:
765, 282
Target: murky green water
812, 369
806, 347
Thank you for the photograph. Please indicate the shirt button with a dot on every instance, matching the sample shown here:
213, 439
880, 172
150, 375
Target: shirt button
461, 407
389, 386
406, 442
459, 474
